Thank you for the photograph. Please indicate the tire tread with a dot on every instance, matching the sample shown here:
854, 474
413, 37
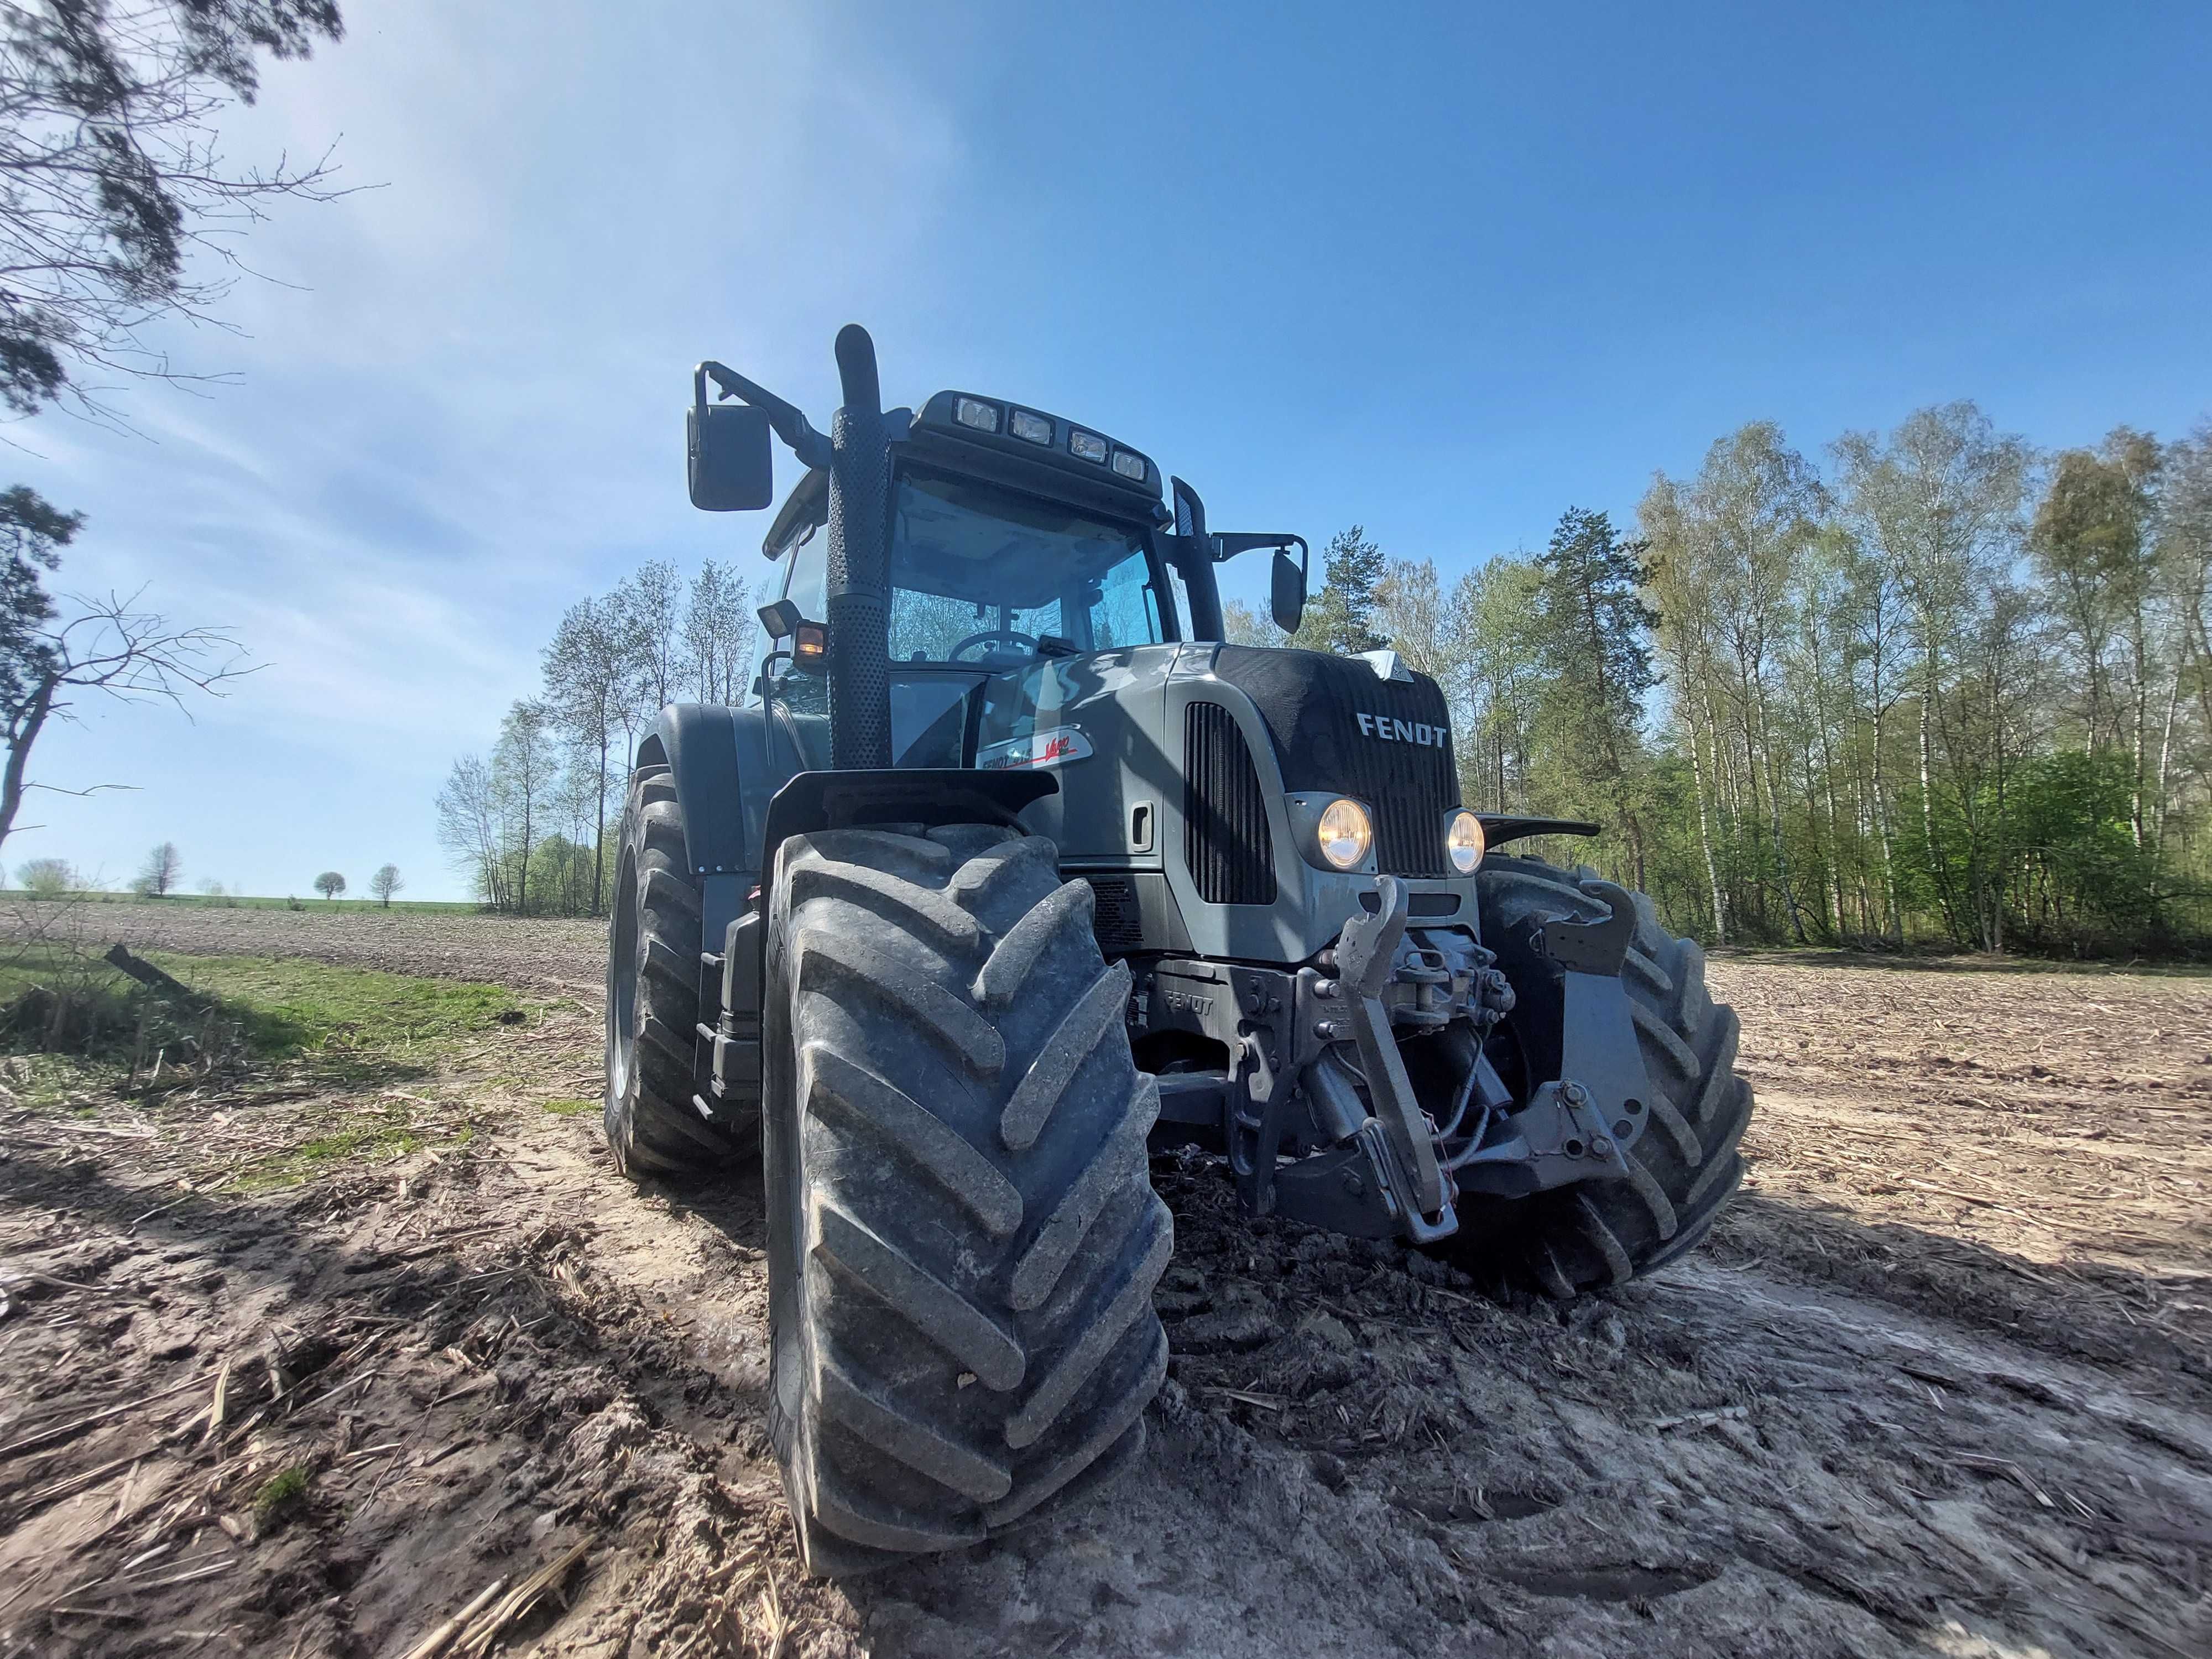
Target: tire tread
981, 1239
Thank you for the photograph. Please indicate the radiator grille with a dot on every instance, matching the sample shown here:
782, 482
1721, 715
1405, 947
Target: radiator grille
1225, 839
1410, 789
1338, 727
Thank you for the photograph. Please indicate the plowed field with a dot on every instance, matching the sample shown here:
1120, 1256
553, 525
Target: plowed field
1940, 1382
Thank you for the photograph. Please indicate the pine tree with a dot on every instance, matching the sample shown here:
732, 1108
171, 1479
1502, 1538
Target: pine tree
1341, 616
1595, 631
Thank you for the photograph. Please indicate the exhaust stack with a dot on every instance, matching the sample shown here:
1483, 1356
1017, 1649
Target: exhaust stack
859, 563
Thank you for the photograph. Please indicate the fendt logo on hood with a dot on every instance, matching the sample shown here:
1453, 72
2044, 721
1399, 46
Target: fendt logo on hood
1388, 728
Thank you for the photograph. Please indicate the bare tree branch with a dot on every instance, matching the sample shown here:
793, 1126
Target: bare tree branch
117, 208
56, 789
110, 645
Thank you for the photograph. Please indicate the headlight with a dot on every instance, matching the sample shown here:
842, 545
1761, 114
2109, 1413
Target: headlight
1465, 841
973, 411
1345, 834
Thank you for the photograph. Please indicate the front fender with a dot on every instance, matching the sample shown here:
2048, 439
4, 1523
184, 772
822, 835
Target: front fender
914, 794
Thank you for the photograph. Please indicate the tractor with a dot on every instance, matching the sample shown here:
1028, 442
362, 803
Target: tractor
1010, 873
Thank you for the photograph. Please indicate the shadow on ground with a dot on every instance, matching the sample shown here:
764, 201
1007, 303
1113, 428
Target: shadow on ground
1814, 1436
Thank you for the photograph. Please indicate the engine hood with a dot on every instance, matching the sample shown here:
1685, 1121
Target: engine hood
1340, 726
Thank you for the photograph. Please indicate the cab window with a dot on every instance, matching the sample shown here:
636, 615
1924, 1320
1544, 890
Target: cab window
980, 574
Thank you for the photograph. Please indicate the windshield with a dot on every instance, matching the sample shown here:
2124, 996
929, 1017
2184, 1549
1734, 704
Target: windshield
980, 574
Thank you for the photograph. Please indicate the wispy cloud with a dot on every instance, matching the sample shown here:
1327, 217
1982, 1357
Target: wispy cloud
459, 398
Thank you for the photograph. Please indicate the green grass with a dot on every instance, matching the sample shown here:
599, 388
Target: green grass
326, 1023
373, 1136
23, 966
281, 1492
297, 1007
252, 1020
43, 1082
289, 1005
572, 1108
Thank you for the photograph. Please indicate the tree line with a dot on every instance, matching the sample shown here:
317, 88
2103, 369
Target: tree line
1931, 686
1936, 687
163, 873
531, 823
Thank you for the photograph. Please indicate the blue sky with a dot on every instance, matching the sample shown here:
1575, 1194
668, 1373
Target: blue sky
1441, 271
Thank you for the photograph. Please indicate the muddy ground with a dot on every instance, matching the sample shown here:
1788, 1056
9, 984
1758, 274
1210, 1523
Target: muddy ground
1939, 1383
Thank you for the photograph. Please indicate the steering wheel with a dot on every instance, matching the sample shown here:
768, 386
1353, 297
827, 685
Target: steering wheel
991, 635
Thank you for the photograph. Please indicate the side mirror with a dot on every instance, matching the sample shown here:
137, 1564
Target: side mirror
730, 466
1287, 592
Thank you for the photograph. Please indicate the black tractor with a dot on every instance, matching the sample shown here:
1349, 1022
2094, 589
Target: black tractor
1010, 872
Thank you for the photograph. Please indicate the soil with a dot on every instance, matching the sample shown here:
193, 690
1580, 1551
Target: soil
542, 954
1938, 1383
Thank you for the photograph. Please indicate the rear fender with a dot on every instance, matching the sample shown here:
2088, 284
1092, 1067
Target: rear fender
719, 759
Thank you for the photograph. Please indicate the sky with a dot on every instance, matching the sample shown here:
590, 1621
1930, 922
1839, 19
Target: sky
1440, 272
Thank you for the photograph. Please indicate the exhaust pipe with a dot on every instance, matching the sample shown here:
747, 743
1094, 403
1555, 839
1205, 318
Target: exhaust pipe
859, 586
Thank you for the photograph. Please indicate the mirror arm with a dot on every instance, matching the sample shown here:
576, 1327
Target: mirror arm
810, 445
1229, 544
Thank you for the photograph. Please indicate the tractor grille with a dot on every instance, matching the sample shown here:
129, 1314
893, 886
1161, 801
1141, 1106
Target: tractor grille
1225, 838
1313, 704
1410, 789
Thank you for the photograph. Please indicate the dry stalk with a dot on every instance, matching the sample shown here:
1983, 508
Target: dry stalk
435, 1643
215, 1407
62, 1430
519, 1600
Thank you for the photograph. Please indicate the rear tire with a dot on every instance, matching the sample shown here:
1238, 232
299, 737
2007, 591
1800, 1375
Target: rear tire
1686, 1164
652, 994
963, 1236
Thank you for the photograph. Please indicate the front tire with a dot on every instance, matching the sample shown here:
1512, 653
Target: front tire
962, 1236
1686, 1164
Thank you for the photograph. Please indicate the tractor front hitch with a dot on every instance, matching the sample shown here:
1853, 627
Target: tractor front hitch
1386, 1181
1576, 1127
1403, 1152
1315, 1050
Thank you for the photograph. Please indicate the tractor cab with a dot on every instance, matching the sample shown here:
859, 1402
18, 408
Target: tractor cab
998, 561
